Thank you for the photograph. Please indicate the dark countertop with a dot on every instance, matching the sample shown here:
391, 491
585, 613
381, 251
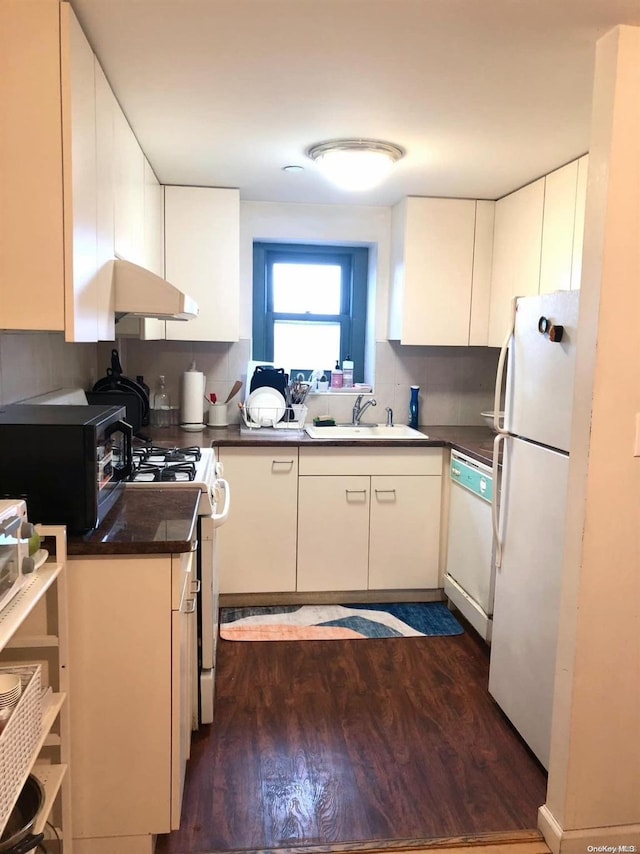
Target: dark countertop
143, 521
163, 521
475, 441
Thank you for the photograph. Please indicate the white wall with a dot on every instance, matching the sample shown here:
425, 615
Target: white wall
350, 225
593, 796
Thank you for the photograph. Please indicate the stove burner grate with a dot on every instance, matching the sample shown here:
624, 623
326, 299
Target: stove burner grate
165, 473
171, 455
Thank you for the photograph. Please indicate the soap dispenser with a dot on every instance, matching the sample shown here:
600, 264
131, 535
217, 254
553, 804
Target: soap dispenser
336, 376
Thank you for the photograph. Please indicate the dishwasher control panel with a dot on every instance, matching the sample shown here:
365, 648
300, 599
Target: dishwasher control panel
472, 475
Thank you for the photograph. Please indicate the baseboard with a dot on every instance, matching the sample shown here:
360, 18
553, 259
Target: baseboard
617, 839
510, 842
246, 600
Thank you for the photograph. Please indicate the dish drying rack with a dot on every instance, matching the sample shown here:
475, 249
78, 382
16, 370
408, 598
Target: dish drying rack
294, 417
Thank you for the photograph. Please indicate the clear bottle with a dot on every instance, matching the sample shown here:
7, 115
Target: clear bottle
161, 405
347, 373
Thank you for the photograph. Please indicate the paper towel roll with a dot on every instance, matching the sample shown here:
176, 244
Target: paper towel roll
192, 397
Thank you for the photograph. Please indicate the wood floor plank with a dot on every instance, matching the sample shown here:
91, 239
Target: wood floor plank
319, 743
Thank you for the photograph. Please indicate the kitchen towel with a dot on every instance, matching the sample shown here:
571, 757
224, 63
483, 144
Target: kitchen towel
338, 622
192, 400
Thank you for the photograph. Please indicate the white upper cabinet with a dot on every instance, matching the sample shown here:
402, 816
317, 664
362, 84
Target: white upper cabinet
537, 242
517, 242
202, 258
558, 228
440, 262
128, 193
48, 244
106, 106
578, 225
73, 176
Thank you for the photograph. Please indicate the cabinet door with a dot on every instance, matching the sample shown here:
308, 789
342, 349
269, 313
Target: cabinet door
438, 269
129, 192
31, 237
106, 105
557, 228
150, 327
481, 284
80, 181
257, 545
578, 225
120, 624
517, 242
202, 258
404, 540
333, 533
182, 678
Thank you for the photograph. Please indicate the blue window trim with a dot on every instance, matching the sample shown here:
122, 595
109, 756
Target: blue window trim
354, 262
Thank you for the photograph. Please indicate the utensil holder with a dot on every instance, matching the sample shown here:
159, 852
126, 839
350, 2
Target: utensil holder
218, 415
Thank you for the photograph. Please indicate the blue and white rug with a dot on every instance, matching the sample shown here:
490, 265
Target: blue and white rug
338, 622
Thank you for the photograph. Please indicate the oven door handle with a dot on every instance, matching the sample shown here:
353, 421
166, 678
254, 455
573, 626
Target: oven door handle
220, 518
126, 468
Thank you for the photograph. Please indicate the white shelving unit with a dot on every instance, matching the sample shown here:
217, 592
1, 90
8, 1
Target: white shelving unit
33, 629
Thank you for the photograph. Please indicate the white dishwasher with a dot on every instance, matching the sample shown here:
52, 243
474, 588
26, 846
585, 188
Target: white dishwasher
469, 579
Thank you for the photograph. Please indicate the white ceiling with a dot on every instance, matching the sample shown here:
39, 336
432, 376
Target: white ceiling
484, 95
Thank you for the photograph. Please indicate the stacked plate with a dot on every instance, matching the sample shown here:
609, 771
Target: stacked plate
265, 406
10, 690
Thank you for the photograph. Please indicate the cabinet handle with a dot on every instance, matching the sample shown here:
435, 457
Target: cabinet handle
385, 491
196, 585
281, 463
191, 606
349, 492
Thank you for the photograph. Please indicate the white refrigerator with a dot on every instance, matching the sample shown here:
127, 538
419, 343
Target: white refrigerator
530, 528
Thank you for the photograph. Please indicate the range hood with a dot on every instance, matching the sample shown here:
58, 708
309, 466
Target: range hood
141, 293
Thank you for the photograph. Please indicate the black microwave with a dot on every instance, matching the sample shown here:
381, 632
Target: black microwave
69, 463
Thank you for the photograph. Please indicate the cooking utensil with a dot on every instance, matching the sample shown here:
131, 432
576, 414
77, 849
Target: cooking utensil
234, 390
115, 381
17, 837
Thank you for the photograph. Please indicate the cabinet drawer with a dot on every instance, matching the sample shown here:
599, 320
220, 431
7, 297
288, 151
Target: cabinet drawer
370, 461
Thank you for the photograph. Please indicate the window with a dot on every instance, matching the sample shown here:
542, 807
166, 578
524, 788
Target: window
309, 305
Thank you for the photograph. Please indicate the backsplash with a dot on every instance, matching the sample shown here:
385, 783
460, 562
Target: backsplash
33, 363
456, 383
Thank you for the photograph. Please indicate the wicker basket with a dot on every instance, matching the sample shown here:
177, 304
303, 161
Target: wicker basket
19, 738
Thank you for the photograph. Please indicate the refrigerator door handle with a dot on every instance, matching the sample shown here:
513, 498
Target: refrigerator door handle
500, 437
500, 373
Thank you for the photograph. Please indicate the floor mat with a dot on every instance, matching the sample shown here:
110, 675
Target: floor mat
338, 622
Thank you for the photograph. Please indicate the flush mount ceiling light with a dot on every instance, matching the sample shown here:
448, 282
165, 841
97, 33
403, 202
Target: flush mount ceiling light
355, 164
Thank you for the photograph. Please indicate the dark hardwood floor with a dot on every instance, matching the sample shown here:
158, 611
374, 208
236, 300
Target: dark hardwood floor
322, 742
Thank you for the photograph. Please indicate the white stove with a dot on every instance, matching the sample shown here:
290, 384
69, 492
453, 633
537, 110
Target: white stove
171, 467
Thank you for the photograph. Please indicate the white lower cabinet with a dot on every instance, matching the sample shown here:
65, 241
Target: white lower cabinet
369, 518
308, 519
405, 532
333, 533
257, 545
131, 717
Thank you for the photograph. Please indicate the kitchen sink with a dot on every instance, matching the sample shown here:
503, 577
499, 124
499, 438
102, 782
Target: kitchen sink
365, 431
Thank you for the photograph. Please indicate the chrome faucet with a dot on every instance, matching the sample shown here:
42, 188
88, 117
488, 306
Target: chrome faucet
359, 408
